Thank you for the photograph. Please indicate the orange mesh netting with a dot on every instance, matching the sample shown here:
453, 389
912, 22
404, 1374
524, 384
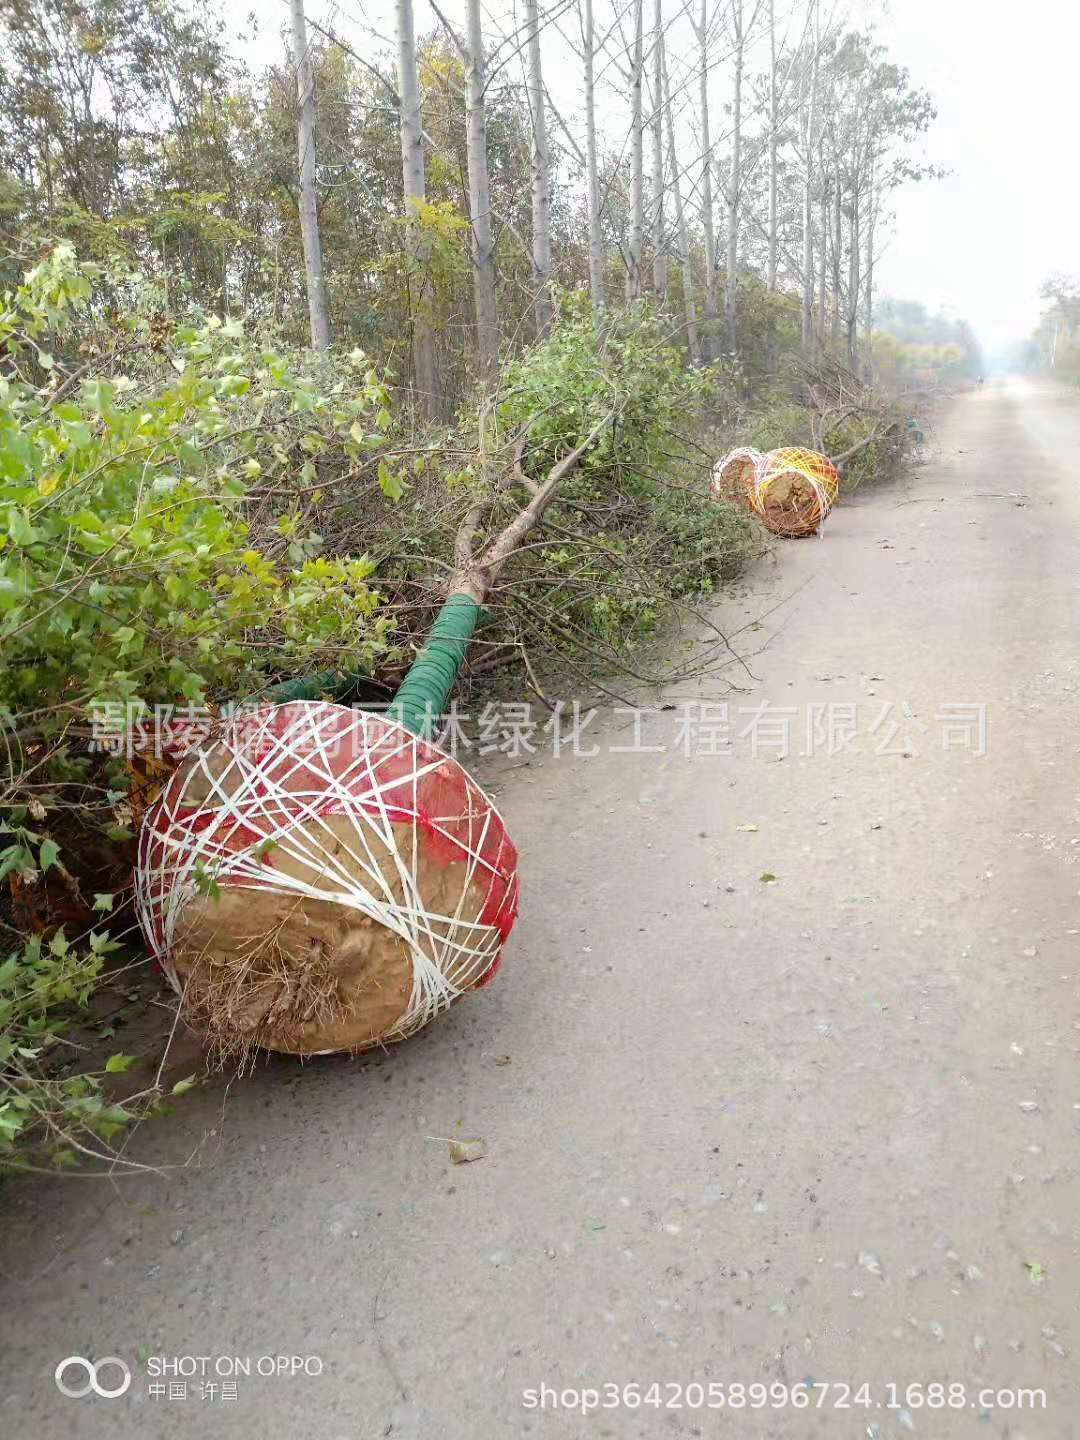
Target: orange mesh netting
793, 490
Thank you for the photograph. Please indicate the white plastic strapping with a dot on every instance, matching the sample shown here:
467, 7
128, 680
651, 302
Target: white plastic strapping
268, 783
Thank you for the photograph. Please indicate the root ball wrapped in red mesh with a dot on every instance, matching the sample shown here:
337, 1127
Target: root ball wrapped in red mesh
317, 878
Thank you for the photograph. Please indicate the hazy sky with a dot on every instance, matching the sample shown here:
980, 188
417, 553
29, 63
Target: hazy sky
979, 241
1006, 86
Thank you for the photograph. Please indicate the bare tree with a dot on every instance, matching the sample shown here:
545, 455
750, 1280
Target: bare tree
592, 176
541, 173
693, 342
483, 245
773, 148
412, 169
702, 29
660, 270
809, 137
823, 255
854, 284
868, 277
740, 28
309, 198
837, 247
637, 159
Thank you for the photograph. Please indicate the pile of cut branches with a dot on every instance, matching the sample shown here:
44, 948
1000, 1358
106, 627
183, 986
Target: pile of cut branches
860, 429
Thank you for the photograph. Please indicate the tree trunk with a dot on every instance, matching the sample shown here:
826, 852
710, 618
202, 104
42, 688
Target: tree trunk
734, 180
773, 234
660, 269
706, 189
693, 343
823, 262
412, 170
487, 322
837, 251
541, 174
309, 197
868, 278
854, 285
592, 169
808, 215
637, 162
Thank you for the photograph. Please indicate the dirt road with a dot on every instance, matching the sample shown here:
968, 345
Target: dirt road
816, 1128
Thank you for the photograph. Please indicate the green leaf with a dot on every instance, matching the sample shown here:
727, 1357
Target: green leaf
48, 853
15, 857
389, 483
205, 883
182, 1086
20, 529
118, 1063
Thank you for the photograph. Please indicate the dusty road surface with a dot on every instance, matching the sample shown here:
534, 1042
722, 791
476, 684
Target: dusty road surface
819, 1129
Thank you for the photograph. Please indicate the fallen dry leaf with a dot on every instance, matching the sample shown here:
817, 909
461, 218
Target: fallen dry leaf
463, 1152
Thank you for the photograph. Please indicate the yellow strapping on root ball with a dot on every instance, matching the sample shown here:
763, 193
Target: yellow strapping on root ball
793, 490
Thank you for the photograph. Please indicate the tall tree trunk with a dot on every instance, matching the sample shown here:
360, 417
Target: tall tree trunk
693, 343
731, 316
660, 269
854, 284
706, 187
483, 247
592, 171
868, 277
837, 250
541, 174
412, 170
637, 161
823, 259
309, 197
808, 214
773, 234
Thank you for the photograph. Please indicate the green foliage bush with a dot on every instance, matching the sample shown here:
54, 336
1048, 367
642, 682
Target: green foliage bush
42, 987
127, 568
158, 489
634, 529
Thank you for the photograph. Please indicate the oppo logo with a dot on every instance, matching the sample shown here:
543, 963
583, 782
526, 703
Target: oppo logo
92, 1370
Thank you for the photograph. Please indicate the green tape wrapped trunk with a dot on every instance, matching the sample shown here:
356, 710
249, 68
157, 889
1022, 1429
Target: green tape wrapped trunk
422, 695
